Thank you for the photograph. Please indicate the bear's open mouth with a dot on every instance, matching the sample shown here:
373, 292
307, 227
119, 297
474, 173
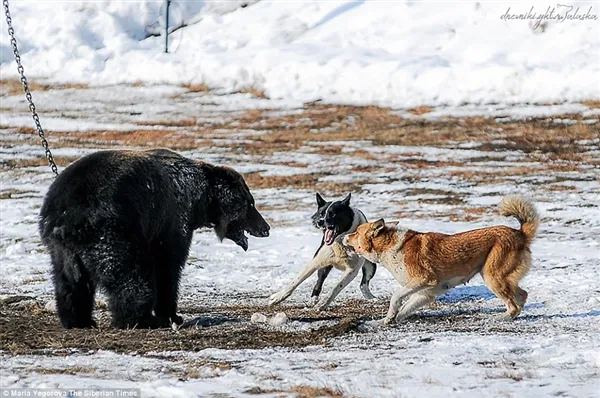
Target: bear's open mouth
329, 236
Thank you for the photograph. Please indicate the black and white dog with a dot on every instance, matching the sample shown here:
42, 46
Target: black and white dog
337, 219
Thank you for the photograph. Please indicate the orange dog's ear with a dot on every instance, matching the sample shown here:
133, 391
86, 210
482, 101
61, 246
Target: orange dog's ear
378, 226
392, 223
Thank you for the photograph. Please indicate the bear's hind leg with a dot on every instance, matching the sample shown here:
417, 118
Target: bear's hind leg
126, 273
169, 263
74, 289
131, 298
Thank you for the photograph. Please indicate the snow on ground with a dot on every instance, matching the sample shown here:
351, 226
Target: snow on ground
400, 53
457, 348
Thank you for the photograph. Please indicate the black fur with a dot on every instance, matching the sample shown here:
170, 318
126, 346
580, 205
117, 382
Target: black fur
123, 221
339, 217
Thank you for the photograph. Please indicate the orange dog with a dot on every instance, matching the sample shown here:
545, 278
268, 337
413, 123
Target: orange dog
428, 264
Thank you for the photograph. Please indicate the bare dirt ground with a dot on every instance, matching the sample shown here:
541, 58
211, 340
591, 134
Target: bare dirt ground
29, 329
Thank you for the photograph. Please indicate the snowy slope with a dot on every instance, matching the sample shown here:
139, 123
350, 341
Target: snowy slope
398, 54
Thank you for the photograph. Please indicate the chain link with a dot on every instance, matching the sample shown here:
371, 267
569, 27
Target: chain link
21, 70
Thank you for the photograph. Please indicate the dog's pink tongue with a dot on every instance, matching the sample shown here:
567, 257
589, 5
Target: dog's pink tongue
328, 236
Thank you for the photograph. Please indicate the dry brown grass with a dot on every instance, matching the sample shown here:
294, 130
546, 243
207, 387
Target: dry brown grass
555, 148
72, 370
14, 87
12, 192
255, 92
196, 88
8, 164
315, 392
300, 391
191, 122
199, 368
561, 188
34, 280
299, 181
381, 128
26, 130
508, 174
304, 181
28, 328
141, 138
592, 103
420, 110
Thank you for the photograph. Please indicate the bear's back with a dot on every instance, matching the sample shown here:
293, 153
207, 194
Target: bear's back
130, 189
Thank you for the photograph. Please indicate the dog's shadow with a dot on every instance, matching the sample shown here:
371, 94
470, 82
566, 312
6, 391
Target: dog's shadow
593, 313
311, 319
481, 292
467, 293
475, 293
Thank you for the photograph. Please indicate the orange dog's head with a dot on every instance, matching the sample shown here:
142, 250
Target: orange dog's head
371, 239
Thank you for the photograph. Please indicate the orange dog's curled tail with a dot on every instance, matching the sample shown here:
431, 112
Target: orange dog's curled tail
524, 211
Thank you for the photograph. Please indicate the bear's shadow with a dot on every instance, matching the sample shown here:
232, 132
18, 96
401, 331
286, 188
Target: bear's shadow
209, 320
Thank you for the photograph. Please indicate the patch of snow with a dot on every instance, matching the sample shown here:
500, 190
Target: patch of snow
257, 317
278, 319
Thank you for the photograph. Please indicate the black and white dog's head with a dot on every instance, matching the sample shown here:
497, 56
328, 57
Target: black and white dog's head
334, 218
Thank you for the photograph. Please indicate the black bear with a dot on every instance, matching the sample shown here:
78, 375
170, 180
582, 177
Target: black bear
122, 221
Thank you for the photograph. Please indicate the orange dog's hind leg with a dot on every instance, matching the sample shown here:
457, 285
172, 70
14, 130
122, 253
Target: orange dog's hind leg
501, 273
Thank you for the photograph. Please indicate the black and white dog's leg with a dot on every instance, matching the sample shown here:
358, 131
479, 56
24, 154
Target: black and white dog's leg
310, 269
322, 275
368, 270
347, 277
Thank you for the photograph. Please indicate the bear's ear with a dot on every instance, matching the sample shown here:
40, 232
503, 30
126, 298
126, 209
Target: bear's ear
320, 201
377, 226
346, 200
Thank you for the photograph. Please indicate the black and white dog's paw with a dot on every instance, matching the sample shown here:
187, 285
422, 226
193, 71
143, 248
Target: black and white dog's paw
366, 292
321, 305
277, 298
314, 300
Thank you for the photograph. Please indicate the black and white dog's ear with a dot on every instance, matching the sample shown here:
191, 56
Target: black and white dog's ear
320, 201
346, 201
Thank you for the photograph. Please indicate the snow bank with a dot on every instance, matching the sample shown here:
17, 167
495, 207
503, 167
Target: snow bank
398, 54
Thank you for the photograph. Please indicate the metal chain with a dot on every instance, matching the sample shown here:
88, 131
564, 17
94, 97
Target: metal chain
21, 70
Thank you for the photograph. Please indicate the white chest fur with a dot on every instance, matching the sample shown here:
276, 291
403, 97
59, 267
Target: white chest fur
393, 260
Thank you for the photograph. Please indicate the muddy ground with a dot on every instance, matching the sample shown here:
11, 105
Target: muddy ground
28, 328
